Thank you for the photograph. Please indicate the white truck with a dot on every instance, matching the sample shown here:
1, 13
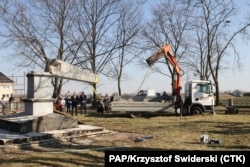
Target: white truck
198, 96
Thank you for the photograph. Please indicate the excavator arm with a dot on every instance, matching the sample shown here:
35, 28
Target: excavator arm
165, 51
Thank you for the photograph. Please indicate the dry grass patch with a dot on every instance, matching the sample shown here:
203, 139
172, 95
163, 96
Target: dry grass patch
173, 132
170, 133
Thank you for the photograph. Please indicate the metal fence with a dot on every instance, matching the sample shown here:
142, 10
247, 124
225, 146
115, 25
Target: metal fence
9, 108
239, 101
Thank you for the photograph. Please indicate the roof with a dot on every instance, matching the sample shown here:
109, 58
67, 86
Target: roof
5, 79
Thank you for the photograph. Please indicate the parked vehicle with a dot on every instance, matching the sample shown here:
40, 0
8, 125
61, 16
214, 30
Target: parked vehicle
247, 94
199, 95
238, 94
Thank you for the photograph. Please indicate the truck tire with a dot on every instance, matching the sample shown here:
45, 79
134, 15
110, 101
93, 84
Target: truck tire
134, 114
196, 110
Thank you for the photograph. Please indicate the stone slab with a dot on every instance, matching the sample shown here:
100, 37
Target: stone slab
10, 138
29, 123
65, 70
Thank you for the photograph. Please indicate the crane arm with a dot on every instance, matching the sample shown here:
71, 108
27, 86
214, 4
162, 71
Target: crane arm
165, 51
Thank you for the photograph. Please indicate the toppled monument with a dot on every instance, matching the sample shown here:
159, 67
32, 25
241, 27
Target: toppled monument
38, 115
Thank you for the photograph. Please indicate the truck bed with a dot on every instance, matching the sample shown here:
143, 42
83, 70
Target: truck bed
143, 104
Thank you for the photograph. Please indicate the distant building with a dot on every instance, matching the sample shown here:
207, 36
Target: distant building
6, 86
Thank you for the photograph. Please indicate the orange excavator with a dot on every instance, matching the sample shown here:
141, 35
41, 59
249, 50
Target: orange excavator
166, 52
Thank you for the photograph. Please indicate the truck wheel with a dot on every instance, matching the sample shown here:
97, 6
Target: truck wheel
135, 114
196, 111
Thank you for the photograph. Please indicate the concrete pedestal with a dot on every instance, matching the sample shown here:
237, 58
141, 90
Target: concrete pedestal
39, 85
22, 123
38, 107
39, 93
38, 115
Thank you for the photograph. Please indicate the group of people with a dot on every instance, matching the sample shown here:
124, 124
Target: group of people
4, 100
103, 103
71, 102
74, 102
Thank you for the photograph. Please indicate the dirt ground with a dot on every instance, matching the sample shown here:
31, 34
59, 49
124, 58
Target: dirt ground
115, 136
105, 139
100, 142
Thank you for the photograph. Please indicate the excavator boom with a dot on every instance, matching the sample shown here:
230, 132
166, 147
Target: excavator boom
165, 51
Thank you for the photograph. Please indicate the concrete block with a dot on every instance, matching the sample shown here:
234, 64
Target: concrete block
26, 124
69, 71
39, 85
38, 107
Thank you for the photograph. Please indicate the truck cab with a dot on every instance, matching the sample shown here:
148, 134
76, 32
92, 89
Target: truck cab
199, 97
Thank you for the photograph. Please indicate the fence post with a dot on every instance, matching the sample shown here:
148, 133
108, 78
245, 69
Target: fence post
212, 104
230, 102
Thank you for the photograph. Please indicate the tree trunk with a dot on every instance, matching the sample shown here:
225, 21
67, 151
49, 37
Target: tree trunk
119, 88
217, 102
57, 87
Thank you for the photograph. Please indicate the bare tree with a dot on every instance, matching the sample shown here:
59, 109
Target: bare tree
127, 31
169, 26
38, 31
213, 17
196, 58
94, 23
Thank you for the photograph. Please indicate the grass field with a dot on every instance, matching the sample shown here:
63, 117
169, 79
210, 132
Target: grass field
182, 133
170, 133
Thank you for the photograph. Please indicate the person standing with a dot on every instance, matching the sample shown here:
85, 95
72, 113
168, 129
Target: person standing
106, 103
11, 99
3, 104
100, 105
83, 102
68, 103
59, 105
75, 100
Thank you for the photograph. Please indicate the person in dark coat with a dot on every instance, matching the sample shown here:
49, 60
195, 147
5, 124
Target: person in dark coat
75, 101
83, 102
11, 99
68, 103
